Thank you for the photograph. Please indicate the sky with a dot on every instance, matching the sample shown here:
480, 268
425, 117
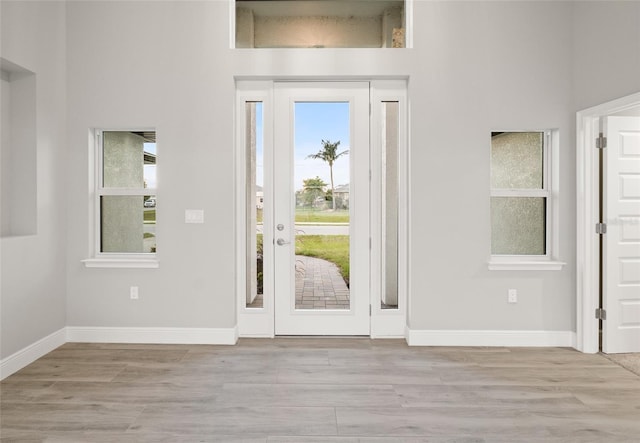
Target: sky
314, 122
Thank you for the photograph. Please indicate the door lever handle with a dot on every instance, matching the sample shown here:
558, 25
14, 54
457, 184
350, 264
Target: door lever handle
281, 242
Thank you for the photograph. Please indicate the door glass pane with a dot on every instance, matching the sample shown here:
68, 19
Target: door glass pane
517, 160
322, 205
255, 204
518, 225
390, 125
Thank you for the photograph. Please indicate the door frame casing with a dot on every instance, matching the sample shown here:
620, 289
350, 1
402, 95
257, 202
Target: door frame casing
260, 322
290, 320
587, 196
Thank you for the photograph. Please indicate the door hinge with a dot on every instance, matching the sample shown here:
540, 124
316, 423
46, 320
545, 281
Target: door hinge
369, 310
369, 243
601, 314
601, 141
601, 228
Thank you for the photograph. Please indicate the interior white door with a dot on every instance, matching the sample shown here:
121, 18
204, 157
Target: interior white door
321, 294
621, 243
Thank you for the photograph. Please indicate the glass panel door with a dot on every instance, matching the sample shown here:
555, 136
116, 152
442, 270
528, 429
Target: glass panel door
321, 201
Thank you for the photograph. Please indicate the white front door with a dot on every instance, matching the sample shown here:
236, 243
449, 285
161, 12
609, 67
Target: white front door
621, 243
321, 229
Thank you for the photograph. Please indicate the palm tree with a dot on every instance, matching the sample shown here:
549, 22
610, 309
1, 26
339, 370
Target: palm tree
329, 153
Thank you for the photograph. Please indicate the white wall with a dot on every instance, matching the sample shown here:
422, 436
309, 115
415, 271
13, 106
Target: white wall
493, 66
33, 293
162, 65
476, 67
606, 51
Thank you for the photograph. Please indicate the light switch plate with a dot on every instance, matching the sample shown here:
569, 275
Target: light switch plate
194, 216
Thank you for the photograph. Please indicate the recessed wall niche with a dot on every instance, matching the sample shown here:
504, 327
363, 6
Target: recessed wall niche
320, 24
18, 179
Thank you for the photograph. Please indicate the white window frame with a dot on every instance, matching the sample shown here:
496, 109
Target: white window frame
549, 191
111, 259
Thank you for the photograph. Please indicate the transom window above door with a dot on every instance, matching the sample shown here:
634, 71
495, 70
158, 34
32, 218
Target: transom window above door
321, 24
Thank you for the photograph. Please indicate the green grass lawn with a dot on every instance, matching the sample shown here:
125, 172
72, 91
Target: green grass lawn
149, 215
310, 216
334, 248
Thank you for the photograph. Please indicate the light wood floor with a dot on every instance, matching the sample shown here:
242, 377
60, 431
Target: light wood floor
319, 390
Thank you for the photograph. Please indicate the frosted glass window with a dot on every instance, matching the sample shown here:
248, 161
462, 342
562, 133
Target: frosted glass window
518, 224
517, 160
519, 194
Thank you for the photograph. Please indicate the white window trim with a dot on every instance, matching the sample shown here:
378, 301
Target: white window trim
550, 191
109, 259
133, 261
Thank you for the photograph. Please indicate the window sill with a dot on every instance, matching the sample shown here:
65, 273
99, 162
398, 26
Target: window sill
141, 263
530, 265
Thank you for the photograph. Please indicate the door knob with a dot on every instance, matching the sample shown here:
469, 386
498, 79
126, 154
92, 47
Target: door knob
281, 242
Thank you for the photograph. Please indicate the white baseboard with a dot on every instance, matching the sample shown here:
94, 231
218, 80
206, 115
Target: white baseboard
229, 336
423, 337
31, 353
193, 336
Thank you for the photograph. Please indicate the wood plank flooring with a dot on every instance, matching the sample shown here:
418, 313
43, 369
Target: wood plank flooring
335, 390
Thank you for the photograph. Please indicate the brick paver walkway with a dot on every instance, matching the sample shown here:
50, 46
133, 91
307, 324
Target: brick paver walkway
319, 285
